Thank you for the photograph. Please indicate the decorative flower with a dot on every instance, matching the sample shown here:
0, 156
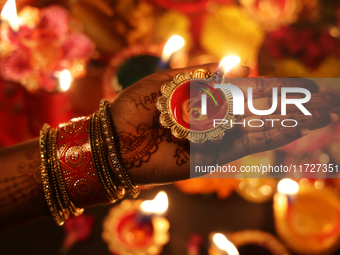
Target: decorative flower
78, 229
43, 47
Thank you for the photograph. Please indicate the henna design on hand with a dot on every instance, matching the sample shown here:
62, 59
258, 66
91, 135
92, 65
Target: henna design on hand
138, 148
25, 184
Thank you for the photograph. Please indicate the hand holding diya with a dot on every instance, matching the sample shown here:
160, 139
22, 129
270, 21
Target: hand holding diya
190, 103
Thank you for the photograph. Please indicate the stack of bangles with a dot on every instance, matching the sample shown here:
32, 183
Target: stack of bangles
75, 167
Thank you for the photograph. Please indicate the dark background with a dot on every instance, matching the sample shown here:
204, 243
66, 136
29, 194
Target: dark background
187, 214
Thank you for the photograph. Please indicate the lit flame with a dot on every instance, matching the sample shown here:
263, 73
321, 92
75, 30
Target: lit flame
158, 206
9, 14
229, 62
65, 80
224, 244
175, 43
288, 186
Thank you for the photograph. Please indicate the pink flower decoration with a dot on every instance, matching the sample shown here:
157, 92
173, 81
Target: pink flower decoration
16, 66
77, 46
54, 19
78, 229
38, 53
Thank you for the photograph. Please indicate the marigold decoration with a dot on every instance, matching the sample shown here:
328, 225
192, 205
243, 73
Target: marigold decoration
48, 41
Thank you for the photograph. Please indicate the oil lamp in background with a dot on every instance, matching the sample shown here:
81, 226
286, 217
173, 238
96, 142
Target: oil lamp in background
245, 242
137, 227
139, 61
220, 245
307, 217
190, 103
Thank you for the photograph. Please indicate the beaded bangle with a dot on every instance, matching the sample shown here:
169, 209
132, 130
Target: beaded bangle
51, 203
112, 149
96, 158
117, 193
62, 211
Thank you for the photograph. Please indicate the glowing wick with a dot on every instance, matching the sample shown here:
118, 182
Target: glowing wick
65, 80
288, 186
158, 205
175, 43
229, 62
224, 244
9, 14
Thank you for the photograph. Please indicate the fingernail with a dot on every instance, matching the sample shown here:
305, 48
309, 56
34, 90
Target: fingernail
322, 89
334, 117
304, 131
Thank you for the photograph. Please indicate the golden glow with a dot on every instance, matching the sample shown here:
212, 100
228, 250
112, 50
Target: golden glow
65, 80
229, 62
288, 186
158, 205
9, 14
224, 244
175, 43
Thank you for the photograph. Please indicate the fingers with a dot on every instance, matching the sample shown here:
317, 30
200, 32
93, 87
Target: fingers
250, 143
318, 119
320, 101
211, 68
238, 71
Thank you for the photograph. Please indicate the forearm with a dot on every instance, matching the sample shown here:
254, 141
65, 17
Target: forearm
21, 192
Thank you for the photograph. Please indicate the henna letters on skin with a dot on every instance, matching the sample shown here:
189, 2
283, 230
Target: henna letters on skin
145, 101
181, 156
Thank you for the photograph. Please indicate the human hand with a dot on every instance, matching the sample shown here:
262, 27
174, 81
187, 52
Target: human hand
151, 156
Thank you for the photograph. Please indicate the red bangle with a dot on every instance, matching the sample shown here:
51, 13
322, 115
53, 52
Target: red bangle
77, 167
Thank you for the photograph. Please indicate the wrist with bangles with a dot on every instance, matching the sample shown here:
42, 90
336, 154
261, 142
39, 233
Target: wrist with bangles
81, 166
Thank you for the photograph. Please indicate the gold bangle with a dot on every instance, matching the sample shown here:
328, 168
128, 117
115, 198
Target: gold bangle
57, 215
54, 185
117, 192
96, 159
112, 149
